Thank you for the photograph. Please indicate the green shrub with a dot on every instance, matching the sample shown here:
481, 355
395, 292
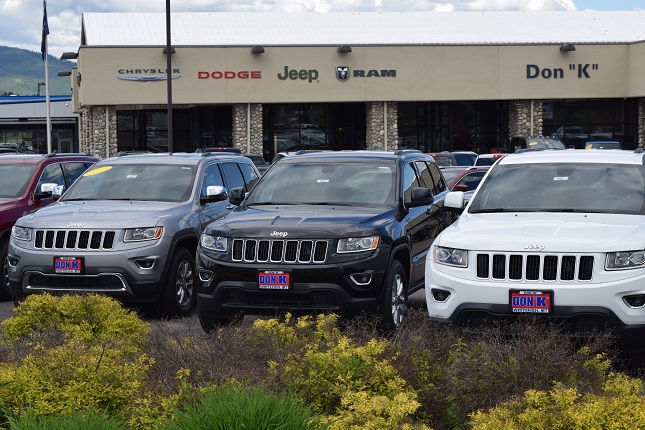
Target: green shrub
75, 421
237, 408
332, 375
88, 318
94, 361
620, 406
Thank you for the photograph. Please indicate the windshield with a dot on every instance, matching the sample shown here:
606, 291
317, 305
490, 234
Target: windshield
326, 183
155, 182
15, 179
546, 144
450, 175
604, 188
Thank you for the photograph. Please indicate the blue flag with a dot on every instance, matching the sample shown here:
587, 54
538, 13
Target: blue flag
43, 47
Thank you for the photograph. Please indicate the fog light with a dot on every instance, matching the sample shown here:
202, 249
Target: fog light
205, 275
361, 279
440, 295
145, 263
636, 301
13, 260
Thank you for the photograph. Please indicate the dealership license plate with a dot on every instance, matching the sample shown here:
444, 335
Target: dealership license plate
273, 280
531, 301
68, 264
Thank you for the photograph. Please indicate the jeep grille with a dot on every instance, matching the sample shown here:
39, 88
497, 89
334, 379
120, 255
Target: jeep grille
535, 267
279, 251
74, 239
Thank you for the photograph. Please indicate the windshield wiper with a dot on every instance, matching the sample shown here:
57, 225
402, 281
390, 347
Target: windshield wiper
563, 210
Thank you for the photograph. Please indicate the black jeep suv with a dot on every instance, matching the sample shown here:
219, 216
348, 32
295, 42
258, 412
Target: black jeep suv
345, 231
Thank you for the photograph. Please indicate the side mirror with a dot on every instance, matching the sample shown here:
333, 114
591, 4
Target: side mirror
214, 193
461, 187
454, 200
58, 191
420, 197
45, 190
237, 196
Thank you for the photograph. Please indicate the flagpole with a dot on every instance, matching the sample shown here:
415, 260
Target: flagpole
46, 58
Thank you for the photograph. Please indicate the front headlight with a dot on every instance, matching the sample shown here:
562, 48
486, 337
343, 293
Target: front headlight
214, 243
142, 233
21, 233
357, 244
450, 256
625, 260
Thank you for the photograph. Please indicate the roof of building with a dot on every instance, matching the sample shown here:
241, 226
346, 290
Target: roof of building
363, 28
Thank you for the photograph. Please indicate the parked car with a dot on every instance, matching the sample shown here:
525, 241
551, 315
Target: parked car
128, 228
602, 144
260, 163
27, 184
342, 231
605, 133
488, 159
536, 143
571, 135
455, 158
464, 179
571, 246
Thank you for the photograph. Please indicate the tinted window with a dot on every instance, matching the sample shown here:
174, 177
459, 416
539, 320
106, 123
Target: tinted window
73, 171
53, 174
234, 178
250, 177
437, 177
465, 159
212, 176
471, 180
424, 175
410, 181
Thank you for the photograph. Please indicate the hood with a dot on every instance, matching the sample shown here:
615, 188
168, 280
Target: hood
103, 214
301, 221
546, 232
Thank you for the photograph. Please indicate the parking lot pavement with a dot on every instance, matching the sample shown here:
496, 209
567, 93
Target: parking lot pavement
416, 300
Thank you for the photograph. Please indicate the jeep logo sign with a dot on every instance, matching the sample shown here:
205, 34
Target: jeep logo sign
279, 234
302, 74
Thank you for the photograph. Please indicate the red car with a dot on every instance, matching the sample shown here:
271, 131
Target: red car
464, 179
27, 184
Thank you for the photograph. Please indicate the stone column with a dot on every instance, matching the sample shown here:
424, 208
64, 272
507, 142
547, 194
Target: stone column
519, 121
376, 119
98, 130
640, 138
241, 129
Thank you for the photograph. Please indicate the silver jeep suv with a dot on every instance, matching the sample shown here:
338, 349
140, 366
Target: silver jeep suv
129, 228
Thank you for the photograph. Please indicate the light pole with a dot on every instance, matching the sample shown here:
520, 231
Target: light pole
40, 84
169, 76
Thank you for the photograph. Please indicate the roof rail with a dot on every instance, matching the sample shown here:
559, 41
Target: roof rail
56, 153
407, 151
124, 153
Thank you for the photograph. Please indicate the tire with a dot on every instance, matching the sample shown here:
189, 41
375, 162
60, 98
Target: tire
394, 300
5, 291
208, 321
179, 292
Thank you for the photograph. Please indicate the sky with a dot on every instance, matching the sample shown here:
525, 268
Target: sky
22, 19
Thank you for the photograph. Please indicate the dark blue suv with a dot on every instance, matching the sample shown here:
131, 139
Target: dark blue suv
343, 231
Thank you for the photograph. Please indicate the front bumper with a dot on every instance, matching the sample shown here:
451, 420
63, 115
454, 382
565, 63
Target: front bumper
116, 273
583, 306
233, 287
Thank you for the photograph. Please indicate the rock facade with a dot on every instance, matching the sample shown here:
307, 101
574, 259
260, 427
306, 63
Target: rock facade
252, 145
98, 136
519, 122
375, 126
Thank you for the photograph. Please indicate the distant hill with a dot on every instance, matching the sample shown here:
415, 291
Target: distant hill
21, 70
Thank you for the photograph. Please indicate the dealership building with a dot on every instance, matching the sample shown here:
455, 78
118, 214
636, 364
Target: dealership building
269, 82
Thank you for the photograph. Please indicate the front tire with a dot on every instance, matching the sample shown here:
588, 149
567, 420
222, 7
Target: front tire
208, 321
179, 293
394, 300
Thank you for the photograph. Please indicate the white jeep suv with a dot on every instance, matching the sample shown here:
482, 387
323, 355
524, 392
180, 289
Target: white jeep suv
559, 234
